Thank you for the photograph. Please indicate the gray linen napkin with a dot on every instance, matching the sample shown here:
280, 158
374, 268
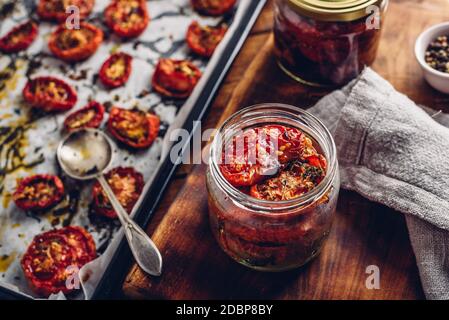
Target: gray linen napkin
393, 152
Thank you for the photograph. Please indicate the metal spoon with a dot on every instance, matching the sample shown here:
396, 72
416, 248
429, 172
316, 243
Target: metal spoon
85, 155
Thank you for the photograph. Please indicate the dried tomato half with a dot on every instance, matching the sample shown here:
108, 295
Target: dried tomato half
135, 128
175, 78
56, 9
127, 185
73, 45
298, 178
90, 116
246, 159
258, 153
127, 18
116, 70
19, 38
213, 7
204, 39
49, 94
53, 256
38, 192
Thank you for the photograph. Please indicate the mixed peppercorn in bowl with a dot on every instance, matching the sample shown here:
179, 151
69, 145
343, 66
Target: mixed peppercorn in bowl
432, 54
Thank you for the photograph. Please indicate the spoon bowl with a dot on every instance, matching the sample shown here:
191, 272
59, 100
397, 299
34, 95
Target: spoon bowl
85, 154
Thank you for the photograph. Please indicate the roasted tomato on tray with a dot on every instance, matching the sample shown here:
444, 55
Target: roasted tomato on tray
127, 18
203, 40
127, 185
175, 78
116, 70
90, 116
19, 38
57, 9
213, 7
49, 94
134, 128
38, 192
256, 154
73, 45
53, 257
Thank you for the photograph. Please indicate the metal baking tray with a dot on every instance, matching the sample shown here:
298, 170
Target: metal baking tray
167, 16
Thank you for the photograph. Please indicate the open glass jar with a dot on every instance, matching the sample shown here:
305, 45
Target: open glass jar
272, 235
327, 42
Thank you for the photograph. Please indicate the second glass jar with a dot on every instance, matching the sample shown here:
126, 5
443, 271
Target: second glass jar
327, 43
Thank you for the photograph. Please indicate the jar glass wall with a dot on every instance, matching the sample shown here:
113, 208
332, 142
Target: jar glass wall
272, 235
326, 48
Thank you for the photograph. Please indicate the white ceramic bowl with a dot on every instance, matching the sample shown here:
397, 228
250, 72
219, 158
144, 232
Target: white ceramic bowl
437, 79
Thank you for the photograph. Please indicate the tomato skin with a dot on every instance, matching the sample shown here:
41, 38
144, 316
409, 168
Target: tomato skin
213, 7
90, 35
30, 28
49, 10
45, 101
204, 40
175, 78
116, 23
94, 122
101, 204
47, 259
150, 124
290, 142
271, 145
243, 178
317, 161
122, 78
23, 202
237, 165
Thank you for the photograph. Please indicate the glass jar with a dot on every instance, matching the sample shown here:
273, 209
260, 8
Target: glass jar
272, 235
327, 42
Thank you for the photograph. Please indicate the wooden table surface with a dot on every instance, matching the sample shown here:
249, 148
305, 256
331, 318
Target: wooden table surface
364, 233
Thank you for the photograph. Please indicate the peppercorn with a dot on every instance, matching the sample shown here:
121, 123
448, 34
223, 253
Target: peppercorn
437, 54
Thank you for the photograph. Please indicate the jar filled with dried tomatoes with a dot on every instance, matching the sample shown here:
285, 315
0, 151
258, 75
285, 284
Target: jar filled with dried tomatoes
327, 42
273, 184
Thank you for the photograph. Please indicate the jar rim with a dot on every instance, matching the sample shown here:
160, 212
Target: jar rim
282, 206
335, 10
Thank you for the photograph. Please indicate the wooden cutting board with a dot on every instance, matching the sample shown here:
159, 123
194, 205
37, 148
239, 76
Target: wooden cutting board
363, 234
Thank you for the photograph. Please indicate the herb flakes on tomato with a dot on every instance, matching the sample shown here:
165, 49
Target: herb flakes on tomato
134, 128
116, 70
52, 256
39, 192
73, 45
19, 38
49, 94
203, 40
126, 183
57, 9
127, 18
175, 78
90, 116
296, 179
213, 7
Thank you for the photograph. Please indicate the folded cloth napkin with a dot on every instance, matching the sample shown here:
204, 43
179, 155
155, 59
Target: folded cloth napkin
394, 152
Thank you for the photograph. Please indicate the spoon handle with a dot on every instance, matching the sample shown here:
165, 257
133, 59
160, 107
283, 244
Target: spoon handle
144, 250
